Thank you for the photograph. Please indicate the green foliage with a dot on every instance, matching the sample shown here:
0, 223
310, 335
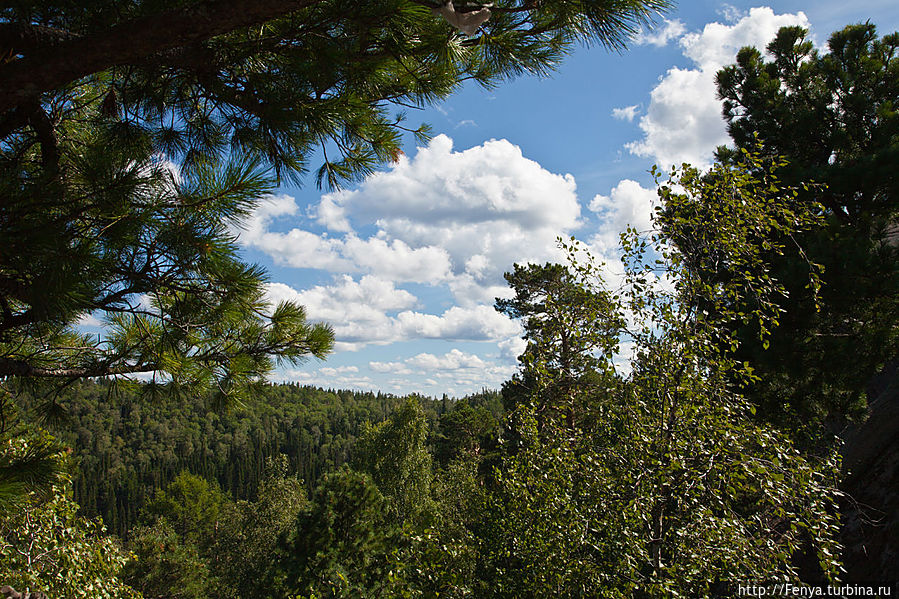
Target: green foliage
565, 339
180, 522
444, 559
191, 504
395, 454
126, 448
674, 490
46, 546
31, 461
130, 452
120, 237
466, 431
668, 487
200, 544
543, 533
249, 531
726, 225
344, 546
833, 117
254, 90
163, 565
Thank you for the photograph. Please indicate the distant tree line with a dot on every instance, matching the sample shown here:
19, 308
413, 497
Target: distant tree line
127, 448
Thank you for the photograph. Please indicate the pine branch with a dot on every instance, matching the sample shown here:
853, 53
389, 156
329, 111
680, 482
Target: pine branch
12, 367
51, 67
21, 38
46, 135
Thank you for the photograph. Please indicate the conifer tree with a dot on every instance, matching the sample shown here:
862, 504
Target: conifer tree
832, 115
566, 342
135, 136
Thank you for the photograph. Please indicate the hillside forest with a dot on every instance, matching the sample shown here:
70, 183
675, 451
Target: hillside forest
722, 410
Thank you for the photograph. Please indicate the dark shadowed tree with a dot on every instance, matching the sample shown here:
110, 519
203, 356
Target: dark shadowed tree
250, 530
164, 565
465, 431
833, 116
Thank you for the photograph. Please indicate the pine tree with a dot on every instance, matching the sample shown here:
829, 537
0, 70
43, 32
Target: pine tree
832, 115
344, 545
135, 136
567, 344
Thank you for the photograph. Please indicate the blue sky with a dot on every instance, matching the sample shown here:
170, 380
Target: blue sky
406, 264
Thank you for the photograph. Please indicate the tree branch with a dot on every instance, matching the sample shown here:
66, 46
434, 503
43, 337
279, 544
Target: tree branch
12, 120
11, 367
20, 38
46, 135
51, 67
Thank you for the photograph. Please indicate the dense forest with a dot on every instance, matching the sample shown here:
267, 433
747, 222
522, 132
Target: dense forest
127, 447
720, 409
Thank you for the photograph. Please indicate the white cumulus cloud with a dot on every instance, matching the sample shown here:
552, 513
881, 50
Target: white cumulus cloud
628, 113
89, 320
374, 310
453, 360
476, 323
452, 369
683, 121
392, 259
661, 36
484, 208
443, 217
628, 204
328, 371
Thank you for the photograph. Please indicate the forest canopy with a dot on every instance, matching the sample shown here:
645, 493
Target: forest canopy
651, 443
